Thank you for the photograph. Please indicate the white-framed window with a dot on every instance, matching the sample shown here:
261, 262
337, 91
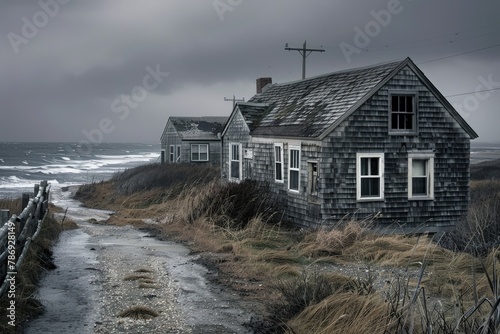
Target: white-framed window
235, 167
163, 158
402, 112
172, 153
313, 178
178, 153
420, 176
294, 168
369, 176
278, 163
199, 152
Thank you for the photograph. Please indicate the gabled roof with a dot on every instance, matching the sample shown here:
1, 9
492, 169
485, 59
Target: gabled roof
253, 112
313, 107
198, 128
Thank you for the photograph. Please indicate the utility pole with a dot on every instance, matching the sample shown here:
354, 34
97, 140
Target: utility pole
234, 100
304, 51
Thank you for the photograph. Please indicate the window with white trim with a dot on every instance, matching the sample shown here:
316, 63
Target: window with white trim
163, 158
178, 153
172, 152
235, 161
294, 168
402, 109
420, 176
278, 162
199, 152
370, 176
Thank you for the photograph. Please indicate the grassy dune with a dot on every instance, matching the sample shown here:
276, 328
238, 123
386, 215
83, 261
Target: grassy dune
345, 279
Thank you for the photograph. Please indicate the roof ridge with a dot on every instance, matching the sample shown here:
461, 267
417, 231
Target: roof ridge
354, 69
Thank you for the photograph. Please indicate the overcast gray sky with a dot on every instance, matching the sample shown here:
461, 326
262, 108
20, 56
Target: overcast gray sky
115, 70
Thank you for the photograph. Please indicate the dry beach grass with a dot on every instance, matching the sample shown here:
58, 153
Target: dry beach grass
301, 281
397, 283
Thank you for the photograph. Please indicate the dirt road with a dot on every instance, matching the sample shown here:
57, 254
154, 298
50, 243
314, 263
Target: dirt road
104, 270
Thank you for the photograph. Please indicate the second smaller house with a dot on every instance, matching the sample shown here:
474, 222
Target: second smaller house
192, 140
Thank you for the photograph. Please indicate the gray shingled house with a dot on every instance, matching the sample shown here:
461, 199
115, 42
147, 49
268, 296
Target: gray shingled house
378, 141
192, 140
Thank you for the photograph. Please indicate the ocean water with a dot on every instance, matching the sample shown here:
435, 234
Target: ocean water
481, 152
22, 165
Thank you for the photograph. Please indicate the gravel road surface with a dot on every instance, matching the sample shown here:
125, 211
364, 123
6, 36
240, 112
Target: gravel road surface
104, 270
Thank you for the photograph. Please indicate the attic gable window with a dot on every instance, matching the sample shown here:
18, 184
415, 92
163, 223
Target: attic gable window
199, 152
402, 113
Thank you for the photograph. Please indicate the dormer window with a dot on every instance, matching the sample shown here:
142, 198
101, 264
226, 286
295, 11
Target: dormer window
402, 113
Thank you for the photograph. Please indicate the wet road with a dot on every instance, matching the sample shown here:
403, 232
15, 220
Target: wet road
88, 290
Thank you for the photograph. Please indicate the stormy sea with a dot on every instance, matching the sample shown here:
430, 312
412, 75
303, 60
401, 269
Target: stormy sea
22, 165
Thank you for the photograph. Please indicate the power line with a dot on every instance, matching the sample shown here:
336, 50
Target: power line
476, 91
459, 54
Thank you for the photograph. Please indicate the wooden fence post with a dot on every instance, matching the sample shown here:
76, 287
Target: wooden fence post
36, 190
27, 228
25, 198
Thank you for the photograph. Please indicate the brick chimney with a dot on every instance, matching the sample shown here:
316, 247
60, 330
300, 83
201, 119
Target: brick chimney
262, 82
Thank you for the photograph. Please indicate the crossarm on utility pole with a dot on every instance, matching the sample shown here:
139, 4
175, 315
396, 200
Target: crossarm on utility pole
304, 52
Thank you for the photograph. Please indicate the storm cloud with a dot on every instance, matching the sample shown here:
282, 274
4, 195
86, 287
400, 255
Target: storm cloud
69, 67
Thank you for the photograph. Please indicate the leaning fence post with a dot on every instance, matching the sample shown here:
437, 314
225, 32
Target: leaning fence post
36, 190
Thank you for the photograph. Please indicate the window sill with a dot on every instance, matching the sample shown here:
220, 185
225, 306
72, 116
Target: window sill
367, 199
403, 133
420, 198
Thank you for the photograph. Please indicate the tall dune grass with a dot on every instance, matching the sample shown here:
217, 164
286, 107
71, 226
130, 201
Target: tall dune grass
427, 288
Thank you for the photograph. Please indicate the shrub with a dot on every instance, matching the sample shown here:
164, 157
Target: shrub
479, 231
486, 170
11, 204
170, 176
234, 205
309, 289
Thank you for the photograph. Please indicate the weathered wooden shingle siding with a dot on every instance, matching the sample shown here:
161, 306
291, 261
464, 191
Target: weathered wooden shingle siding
214, 149
366, 130
170, 137
237, 132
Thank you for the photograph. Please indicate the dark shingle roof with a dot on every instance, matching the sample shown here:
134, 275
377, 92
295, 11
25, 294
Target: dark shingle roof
308, 107
253, 113
198, 128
